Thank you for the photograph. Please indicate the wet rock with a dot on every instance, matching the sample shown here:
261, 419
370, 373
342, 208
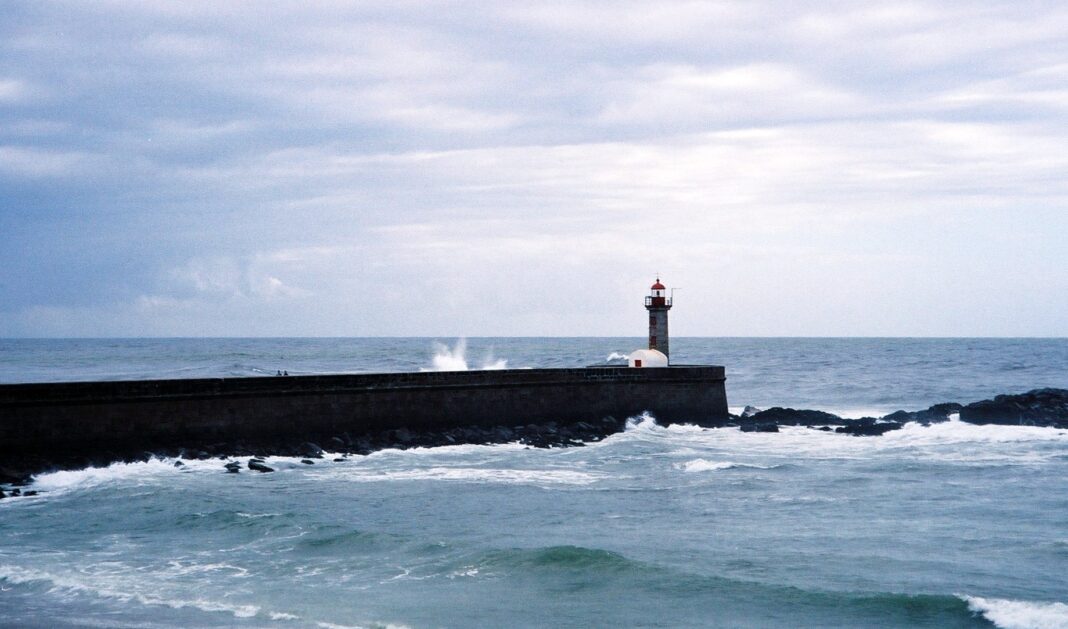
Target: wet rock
900, 416
938, 413
1040, 407
337, 443
339, 460
310, 450
867, 427
749, 411
31, 492
2, 494
232, 467
760, 427
16, 492
933, 415
307, 462
503, 434
179, 464
403, 436
793, 417
9, 476
259, 465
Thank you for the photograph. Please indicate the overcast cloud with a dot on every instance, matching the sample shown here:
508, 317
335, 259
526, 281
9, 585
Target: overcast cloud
451, 168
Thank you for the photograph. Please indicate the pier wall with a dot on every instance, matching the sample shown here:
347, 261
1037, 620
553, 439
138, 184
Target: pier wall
88, 416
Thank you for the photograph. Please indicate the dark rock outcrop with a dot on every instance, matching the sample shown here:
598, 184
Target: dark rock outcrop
868, 427
793, 417
1040, 407
310, 450
259, 465
761, 427
933, 415
233, 467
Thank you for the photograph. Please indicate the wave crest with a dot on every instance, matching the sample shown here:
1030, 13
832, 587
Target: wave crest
1010, 614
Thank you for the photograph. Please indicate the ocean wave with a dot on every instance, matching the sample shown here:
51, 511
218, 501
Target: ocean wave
139, 473
468, 474
1012, 614
94, 584
704, 465
559, 558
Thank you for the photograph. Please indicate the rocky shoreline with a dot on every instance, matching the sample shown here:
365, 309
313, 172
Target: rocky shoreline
1039, 407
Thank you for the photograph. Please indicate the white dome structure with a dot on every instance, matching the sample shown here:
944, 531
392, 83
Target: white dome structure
647, 358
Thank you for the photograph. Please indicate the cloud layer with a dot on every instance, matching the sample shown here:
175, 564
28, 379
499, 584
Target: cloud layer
402, 168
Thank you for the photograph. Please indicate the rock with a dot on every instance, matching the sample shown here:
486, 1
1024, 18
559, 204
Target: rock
749, 411
403, 436
10, 476
900, 416
16, 492
867, 427
503, 434
259, 466
307, 462
232, 467
793, 417
337, 443
31, 492
933, 415
938, 413
2, 494
761, 427
1040, 407
339, 460
824, 428
310, 450
179, 464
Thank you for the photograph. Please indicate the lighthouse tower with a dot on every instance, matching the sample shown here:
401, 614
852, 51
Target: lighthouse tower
658, 304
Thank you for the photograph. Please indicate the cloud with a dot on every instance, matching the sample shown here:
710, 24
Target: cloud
13, 91
252, 169
32, 162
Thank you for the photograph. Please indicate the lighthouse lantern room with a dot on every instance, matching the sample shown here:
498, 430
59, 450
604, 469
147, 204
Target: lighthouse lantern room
658, 304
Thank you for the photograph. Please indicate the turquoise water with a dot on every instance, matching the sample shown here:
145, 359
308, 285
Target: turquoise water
951, 525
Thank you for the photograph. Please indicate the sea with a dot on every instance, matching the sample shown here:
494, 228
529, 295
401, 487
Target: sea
949, 525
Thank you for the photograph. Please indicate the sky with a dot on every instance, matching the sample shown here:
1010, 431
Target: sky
408, 168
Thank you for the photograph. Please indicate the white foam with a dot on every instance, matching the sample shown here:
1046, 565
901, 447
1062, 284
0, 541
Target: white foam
139, 473
463, 449
704, 465
455, 359
1010, 614
91, 584
376, 625
467, 474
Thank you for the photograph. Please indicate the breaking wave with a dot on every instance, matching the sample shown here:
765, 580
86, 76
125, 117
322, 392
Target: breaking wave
1010, 614
455, 359
704, 465
108, 587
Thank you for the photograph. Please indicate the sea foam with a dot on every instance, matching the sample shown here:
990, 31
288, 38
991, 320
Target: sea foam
1010, 614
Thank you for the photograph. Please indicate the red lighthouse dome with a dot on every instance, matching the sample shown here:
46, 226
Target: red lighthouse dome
658, 285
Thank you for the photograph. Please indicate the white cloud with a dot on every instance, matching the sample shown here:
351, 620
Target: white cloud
13, 90
31, 162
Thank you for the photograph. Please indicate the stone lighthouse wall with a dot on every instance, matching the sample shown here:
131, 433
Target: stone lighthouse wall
658, 330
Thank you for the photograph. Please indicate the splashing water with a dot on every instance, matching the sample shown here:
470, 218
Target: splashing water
455, 358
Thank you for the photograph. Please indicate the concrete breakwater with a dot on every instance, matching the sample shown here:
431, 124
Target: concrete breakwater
85, 418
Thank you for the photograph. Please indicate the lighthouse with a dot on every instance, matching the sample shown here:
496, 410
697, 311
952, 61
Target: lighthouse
658, 304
